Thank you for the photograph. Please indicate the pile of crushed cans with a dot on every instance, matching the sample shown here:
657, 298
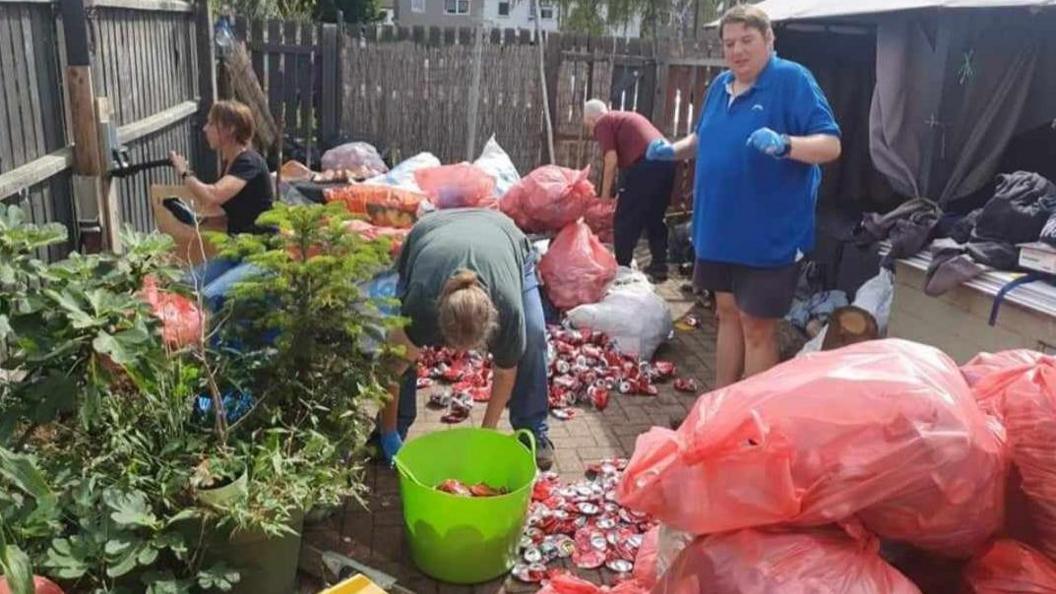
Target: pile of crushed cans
585, 367
459, 489
467, 373
580, 523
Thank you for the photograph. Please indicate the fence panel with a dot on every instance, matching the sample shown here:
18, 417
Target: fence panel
33, 157
685, 70
287, 59
146, 64
408, 90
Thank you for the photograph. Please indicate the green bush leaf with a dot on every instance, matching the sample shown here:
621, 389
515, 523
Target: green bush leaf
71, 306
130, 509
17, 569
67, 558
147, 556
122, 567
218, 577
22, 472
122, 347
50, 397
117, 546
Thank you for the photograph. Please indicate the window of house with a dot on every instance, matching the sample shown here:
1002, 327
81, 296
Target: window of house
456, 6
417, 5
504, 8
546, 8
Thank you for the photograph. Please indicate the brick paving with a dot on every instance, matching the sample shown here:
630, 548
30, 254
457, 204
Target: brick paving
374, 535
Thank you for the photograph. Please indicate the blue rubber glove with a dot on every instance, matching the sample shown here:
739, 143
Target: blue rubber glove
660, 150
768, 142
390, 445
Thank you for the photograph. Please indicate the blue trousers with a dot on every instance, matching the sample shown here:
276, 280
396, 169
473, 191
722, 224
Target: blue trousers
216, 278
529, 404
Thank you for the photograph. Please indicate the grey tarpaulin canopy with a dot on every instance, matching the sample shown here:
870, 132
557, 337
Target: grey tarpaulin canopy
955, 81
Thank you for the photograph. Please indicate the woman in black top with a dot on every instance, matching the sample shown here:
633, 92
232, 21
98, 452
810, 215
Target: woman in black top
244, 191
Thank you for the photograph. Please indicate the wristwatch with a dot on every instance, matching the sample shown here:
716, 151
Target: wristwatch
788, 146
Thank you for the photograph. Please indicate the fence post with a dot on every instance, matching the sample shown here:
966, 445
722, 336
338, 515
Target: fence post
95, 198
330, 120
474, 95
205, 159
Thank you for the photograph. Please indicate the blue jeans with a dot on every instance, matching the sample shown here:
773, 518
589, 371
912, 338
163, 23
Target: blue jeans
530, 402
216, 278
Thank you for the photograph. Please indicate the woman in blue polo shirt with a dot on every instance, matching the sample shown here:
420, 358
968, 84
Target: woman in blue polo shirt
766, 127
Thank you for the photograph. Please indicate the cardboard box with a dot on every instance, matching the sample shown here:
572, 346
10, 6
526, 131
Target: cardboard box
1038, 256
190, 250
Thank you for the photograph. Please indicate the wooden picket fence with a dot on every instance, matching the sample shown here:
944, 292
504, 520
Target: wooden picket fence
447, 90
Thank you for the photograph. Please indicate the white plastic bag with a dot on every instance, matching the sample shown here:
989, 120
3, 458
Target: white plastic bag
496, 163
876, 296
631, 314
402, 175
358, 156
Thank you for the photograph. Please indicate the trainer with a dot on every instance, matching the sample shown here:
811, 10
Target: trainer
766, 126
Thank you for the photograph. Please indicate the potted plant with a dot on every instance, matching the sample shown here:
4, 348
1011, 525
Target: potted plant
300, 325
93, 395
128, 434
220, 480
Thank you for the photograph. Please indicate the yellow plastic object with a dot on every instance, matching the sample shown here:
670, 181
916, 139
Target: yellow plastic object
359, 584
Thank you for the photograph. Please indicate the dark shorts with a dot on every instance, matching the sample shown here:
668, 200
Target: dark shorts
765, 293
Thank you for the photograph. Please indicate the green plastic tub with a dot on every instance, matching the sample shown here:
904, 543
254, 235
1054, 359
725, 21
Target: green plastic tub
462, 540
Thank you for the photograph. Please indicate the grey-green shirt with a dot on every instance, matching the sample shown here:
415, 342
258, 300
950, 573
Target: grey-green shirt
483, 241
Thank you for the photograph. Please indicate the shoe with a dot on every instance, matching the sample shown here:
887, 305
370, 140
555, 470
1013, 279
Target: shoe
657, 275
544, 454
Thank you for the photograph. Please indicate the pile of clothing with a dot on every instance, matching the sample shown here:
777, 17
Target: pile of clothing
1022, 210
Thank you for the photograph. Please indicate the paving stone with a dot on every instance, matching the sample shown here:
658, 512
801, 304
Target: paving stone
375, 534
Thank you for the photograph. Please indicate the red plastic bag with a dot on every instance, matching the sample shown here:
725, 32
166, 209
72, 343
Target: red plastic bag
599, 217
457, 186
549, 198
181, 320
645, 570
985, 364
565, 583
1009, 567
577, 268
879, 430
371, 232
1023, 394
753, 562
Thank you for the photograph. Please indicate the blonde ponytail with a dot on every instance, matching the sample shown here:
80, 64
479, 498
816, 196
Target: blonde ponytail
465, 313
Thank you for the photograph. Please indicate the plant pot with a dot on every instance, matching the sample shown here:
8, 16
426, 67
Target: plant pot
266, 564
236, 490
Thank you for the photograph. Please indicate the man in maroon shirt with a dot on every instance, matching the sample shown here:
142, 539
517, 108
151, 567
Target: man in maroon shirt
644, 188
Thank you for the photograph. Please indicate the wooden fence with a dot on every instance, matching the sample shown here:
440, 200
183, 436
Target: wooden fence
35, 158
70, 70
447, 90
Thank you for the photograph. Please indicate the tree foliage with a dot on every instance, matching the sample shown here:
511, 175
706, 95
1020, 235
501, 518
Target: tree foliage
598, 17
353, 11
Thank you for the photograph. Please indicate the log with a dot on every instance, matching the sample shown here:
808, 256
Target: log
850, 325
